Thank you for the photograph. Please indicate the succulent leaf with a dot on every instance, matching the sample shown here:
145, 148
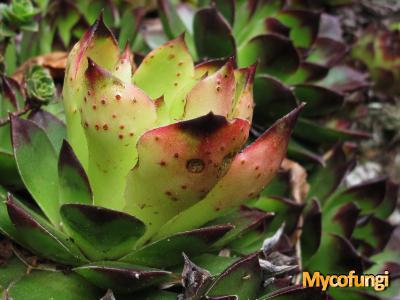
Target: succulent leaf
122, 277
173, 63
97, 41
74, 184
54, 127
258, 161
311, 231
214, 93
101, 233
40, 236
276, 55
30, 142
167, 252
65, 286
242, 279
183, 158
112, 132
212, 34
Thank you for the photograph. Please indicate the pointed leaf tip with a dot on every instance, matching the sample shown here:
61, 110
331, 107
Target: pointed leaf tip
94, 71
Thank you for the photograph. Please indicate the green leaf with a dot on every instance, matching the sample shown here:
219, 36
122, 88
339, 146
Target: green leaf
74, 184
311, 231
54, 127
226, 8
122, 277
270, 92
320, 101
325, 134
174, 64
276, 55
215, 264
303, 25
168, 251
285, 210
298, 293
242, 279
40, 236
129, 27
11, 271
343, 257
212, 34
374, 234
367, 195
242, 220
172, 24
101, 233
55, 286
324, 180
30, 143
65, 23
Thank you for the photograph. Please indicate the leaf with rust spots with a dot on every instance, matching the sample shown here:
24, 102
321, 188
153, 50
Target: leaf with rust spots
250, 171
178, 164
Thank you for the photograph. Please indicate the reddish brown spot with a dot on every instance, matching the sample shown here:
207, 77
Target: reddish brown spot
258, 175
103, 101
114, 116
105, 127
131, 134
156, 138
121, 126
88, 92
97, 126
218, 88
180, 63
257, 167
184, 187
168, 193
176, 155
94, 106
250, 195
85, 99
120, 136
222, 148
242, 162
118, 97
178, 74
86, 124
162, 163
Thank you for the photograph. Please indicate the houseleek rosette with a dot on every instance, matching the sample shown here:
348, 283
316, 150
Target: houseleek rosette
165, 142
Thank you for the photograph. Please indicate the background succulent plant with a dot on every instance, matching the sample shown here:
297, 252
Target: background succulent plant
300, 54
377, 49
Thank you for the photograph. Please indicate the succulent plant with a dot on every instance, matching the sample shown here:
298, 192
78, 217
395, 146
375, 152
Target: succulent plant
300, 54
378, 49
152, 167
343, 228
39, 85
16, 16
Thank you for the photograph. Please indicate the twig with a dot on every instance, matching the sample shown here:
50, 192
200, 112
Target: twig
299, 190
